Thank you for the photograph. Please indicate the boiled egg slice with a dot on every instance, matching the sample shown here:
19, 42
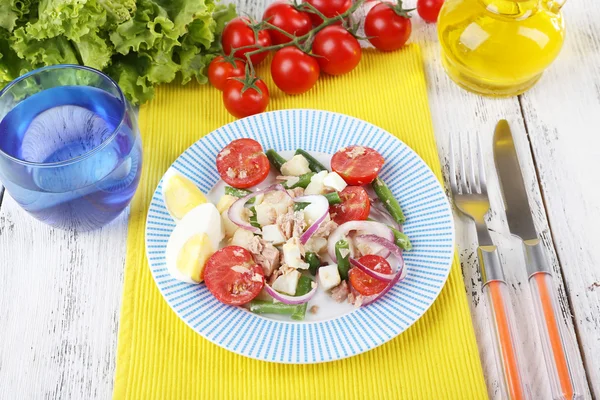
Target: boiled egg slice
195, 238
180, 194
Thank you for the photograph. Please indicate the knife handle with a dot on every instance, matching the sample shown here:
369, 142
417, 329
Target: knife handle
558, 345
507, 346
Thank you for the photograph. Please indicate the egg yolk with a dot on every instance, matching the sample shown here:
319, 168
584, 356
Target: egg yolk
193, 256
181, 195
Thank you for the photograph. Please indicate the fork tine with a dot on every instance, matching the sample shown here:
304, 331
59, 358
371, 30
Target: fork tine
463, 176
482, 177
453, 185
471, 178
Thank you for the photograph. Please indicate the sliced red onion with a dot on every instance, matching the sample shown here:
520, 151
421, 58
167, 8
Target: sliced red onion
396, 279
369, 227
323, 205
236, 210
388, 244
384, 216
293, 300
379, 251
371, 273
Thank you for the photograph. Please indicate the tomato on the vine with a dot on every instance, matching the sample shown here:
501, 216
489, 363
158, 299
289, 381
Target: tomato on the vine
242, 100
429, 9
329, 8
294, 71
220, 70
238, 33
337, 51
284, 16
388, 26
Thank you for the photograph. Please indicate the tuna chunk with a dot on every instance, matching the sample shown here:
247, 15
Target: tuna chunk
340, 292
292, 223
265, 255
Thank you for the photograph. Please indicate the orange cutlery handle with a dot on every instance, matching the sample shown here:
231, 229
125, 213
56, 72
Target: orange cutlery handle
557, 344
508, 354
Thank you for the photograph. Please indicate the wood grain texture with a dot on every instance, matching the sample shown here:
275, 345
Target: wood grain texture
61, 291
563, 115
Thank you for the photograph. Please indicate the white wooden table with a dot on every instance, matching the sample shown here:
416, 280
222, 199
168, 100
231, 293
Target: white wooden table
60, 291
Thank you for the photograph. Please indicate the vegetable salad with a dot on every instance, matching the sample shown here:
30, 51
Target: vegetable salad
271, 247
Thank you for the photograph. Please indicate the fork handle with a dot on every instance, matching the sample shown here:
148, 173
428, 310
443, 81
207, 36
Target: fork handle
507, 348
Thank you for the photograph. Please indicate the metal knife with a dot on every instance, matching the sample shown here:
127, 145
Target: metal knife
557, 343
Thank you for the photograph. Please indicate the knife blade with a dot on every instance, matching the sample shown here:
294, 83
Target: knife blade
518, 212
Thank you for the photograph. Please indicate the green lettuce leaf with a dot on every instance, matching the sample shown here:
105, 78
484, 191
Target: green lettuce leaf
118, 11
71, 18
94, 50
8, 17
126, 72
57, 50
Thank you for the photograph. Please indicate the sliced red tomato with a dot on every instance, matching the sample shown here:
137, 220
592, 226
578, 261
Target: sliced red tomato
243, 164
355, 205
358, 165
365, 284
232, 276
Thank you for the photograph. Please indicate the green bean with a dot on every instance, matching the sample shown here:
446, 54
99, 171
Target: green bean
313, 164
313, 262
401, 240
389, 201
238, 193
304, 286
253, 220
333, 198
343, 263
275, 159
303, 181
268, 307
300, 206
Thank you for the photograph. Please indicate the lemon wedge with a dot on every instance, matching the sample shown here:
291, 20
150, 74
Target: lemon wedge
181, 195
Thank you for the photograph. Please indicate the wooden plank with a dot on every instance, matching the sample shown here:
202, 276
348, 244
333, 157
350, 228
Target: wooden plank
563, 115
59, 307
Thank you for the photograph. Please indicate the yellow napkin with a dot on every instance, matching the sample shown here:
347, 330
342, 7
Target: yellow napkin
159, 357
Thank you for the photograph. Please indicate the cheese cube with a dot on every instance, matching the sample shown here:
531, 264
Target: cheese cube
242, 238
265, 214
225, 202
292, 254
313, 212
329, 277
228, 227
316, 185
316, 244
287, 283
297, 166
272, 233
334, 181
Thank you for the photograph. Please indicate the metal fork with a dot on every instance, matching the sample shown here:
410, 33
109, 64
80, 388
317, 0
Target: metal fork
469, 190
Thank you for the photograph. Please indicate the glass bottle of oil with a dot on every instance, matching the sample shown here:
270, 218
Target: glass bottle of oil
499, 47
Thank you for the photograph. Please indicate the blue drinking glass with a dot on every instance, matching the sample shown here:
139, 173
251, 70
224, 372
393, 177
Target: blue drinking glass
70, 148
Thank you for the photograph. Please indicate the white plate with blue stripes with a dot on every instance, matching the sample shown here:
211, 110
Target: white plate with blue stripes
340, 332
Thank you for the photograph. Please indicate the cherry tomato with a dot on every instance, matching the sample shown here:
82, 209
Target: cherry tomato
249, 102
284, 16
337, 51
429, 9
386, 29
329, 8
358, 165
237, 34
233, 286
365, 284
219, 71
355, 205
294, 71
242, 163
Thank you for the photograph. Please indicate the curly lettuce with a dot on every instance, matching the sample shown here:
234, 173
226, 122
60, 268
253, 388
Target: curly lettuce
139, 43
